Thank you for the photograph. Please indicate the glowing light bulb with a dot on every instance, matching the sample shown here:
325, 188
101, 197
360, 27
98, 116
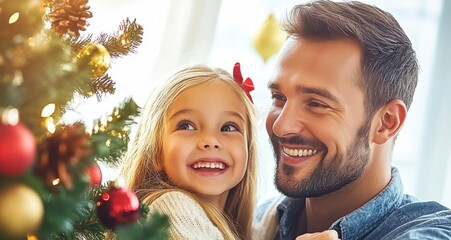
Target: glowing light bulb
14, 18
10, 116
48, 110
56, 181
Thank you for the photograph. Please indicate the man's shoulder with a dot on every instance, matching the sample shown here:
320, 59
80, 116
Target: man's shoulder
418, 220
422, 208
421, 211
267, 207
265, 224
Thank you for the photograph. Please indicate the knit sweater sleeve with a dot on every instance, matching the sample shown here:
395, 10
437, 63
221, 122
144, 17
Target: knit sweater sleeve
187, 218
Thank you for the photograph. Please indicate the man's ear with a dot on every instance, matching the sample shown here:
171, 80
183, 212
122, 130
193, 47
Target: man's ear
389, 119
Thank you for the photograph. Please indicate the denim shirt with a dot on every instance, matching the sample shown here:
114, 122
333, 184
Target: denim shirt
390, 215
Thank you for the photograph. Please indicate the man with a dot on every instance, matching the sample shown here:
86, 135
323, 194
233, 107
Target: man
341, 88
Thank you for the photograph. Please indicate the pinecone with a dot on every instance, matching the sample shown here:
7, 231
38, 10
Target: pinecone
69, 17
60, 152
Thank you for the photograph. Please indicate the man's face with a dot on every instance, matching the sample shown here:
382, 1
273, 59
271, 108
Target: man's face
317, 122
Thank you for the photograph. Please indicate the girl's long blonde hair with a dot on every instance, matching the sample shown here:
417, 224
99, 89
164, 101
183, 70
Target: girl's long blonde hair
141, 168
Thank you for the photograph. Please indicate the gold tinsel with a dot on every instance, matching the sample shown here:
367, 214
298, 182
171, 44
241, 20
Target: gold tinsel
69, 17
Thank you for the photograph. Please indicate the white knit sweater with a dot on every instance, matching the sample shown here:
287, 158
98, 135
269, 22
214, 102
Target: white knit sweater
188, 220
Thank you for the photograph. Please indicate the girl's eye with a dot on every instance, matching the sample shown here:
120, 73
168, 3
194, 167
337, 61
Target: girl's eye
185, 125
229, 127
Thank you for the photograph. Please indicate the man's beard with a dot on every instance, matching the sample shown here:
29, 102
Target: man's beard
330, 175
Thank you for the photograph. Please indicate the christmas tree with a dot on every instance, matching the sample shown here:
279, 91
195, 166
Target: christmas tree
50, 182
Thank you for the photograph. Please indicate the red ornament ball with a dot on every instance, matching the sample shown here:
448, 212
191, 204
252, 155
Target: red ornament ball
117, 206
17, 149
95, 175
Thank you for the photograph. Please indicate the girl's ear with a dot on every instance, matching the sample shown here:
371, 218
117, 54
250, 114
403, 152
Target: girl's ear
389, 120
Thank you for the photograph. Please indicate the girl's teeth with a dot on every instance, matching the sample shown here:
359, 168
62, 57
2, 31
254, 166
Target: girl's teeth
211, 165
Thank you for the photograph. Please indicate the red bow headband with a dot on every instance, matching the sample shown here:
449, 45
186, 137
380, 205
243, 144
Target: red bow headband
247, 85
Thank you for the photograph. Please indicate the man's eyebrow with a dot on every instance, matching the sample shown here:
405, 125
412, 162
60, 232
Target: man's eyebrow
317, 91
308, 90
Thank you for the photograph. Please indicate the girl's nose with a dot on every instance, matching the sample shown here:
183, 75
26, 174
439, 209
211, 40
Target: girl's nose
209, 141
213, 145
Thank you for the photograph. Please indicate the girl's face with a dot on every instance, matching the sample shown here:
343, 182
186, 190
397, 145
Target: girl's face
205, 148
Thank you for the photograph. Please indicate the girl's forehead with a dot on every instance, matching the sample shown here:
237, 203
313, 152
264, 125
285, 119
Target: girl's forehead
212, 96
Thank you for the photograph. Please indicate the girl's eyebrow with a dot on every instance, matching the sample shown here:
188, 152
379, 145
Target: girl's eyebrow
188, 110
179, 112
234, 113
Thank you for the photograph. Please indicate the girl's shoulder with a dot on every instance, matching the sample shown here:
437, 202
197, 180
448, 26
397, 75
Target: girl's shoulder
187, 218
175, 199
180, 207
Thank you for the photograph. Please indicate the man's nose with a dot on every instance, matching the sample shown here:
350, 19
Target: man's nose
289, 121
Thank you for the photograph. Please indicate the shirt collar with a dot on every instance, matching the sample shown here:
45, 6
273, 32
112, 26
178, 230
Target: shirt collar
373, 212
288, 212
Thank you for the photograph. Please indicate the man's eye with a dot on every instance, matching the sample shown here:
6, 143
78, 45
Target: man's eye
229, 127
185, 125
315, 104
277, 96
278, 99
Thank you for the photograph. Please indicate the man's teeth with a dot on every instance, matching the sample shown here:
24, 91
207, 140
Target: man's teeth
299, 152
217, 165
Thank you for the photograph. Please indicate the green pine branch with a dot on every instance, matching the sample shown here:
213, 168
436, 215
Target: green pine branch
102, 86
153, 228
124, 41
50, 76
110, 140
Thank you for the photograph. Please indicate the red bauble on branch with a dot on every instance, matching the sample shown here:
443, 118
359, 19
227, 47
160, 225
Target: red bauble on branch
95, 175
117, 206
17, 149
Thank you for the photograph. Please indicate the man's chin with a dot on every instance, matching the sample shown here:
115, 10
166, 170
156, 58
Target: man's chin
294, 186
298, 192
288, 186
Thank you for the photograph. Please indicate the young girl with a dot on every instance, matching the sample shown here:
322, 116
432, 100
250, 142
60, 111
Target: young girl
194, 155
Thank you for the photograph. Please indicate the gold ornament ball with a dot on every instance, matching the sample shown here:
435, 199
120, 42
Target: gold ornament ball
21, 211
98, 56
269, 39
